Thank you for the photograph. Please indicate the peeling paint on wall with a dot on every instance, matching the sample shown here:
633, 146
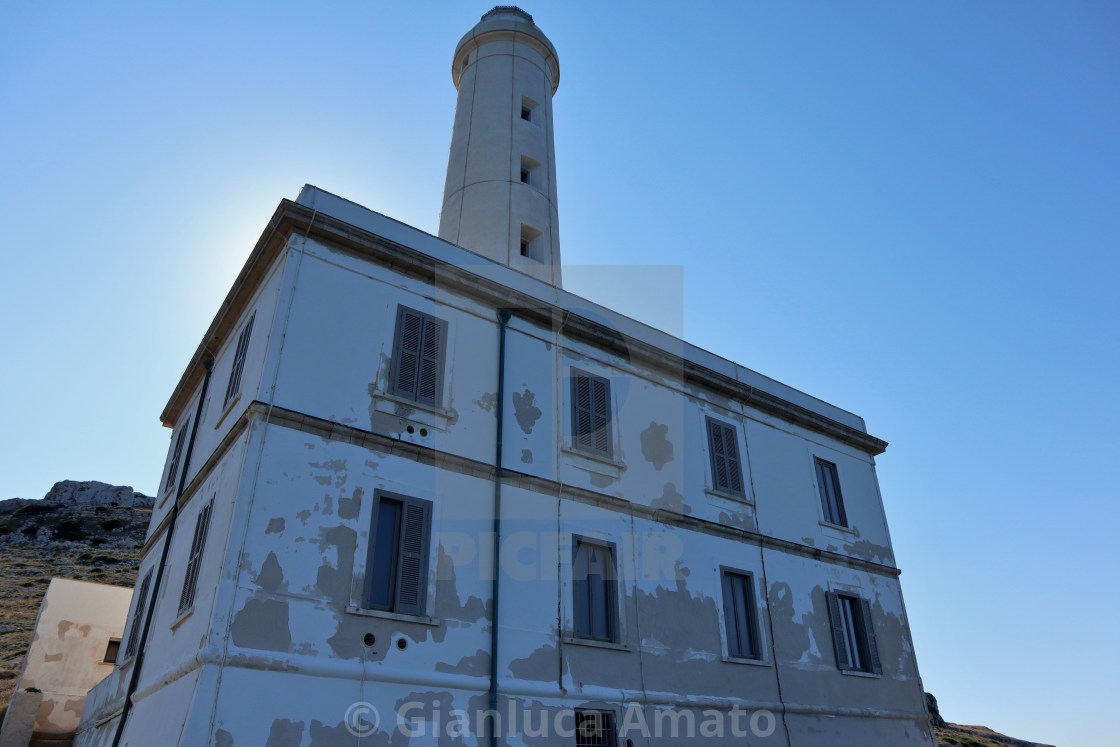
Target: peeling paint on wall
262, 624
525, 411
285, 733
275, 525
526, 456
656, 448
671, 500
475, 665
348, 508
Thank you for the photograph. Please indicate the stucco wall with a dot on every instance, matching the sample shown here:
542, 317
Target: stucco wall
67, 654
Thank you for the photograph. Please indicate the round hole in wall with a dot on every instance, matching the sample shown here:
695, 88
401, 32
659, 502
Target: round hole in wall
369, 639
423, 431
402, 644
410, 429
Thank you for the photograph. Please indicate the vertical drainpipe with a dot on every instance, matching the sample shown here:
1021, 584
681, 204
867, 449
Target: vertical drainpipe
134, 678
503, 320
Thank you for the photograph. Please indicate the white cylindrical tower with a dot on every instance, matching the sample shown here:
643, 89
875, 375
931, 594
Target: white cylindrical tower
500, 195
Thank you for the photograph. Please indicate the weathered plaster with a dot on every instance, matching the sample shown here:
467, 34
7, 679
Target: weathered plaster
656, 448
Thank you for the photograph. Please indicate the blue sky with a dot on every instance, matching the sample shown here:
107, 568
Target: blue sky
910, 210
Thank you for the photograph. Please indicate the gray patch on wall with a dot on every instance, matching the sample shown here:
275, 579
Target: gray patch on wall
656, 448
671, 500
488, 401
526, 412
262, 624
334, 583
475, 665
271, 575
868, 550
540, 666
348, 507
332, 736
275, 526
285, 733
602, 481
526, 456
223, 738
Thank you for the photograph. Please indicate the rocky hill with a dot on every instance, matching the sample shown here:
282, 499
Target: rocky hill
88, 531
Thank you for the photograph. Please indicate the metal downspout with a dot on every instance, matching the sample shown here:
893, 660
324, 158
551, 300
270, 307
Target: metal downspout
503, 320
134, 678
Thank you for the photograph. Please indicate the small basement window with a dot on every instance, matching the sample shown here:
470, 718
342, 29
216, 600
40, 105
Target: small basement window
112, 650
531, 243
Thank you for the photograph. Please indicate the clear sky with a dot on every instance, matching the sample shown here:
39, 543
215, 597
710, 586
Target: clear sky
910, 210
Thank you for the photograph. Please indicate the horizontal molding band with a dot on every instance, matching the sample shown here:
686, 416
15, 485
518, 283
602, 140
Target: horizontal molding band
386, 445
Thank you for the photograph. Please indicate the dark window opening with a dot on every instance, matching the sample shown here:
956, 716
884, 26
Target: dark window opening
112, 651
739, 614
832, 502
853, 633
527, 114
595, 590
397, 564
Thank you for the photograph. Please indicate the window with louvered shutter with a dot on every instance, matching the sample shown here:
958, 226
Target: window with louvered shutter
832, 502
198, 545
740, 619
234, 385
397, 564
723, 446
594, 590
591, 413
853, 633
418, 352
138, 616
173, 469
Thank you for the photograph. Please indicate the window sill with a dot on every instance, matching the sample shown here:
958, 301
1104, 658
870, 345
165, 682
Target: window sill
182, 617
418, 413
861, 673
729, 496
838, 528
599, 460
386, 615
226, 409
592, 643
744, 660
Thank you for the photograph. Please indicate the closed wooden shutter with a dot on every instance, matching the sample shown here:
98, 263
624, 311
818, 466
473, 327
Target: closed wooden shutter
138, 616
591, 413
727, 471
412, 564
869, 637
173, 470
198, 545
838, 638
234, 385
418, 356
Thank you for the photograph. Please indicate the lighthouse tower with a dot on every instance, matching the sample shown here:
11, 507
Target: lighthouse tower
499, 199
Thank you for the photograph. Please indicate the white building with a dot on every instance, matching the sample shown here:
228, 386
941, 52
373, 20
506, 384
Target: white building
688, 551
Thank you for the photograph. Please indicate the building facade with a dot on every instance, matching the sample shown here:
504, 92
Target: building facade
416, 493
